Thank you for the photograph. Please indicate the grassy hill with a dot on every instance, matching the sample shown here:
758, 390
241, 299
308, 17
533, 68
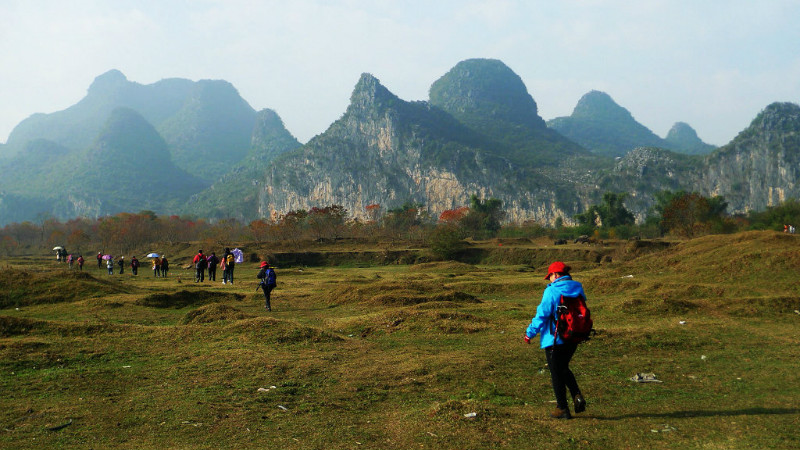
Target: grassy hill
397, 356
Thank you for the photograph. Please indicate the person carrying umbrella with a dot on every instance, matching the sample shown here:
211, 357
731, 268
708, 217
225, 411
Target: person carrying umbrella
109, 264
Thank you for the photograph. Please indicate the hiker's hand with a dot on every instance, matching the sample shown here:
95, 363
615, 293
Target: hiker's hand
527, 339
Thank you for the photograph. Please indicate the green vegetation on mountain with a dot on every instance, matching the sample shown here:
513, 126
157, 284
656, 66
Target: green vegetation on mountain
129, 168
77, 126
212, 131
602, 126
235, 194
489, 98
207, 125
684, 139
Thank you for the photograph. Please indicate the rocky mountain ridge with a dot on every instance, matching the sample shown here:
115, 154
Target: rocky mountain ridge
479, 133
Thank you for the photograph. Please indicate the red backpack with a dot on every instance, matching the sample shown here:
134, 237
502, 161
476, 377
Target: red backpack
573, 319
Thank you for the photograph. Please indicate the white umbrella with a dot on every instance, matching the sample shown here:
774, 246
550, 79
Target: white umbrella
152, 255
58, 247
238, 256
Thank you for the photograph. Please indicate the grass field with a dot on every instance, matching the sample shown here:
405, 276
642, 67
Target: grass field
396, 356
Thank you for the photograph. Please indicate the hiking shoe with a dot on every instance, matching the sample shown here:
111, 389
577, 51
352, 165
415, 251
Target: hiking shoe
580, 403
223, 282
561, 414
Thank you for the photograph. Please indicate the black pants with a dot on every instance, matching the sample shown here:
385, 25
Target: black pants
267, 291
212, 273
560, 375
199, 275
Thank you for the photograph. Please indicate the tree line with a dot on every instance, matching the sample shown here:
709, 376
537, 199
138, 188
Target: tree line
681, 213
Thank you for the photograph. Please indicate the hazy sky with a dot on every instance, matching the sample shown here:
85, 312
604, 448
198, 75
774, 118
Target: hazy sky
712, 64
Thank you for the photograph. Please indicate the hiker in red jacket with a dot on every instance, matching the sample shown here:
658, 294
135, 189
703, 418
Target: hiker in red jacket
200, 263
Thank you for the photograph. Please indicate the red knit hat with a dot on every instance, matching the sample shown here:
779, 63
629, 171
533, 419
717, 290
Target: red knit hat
557, 267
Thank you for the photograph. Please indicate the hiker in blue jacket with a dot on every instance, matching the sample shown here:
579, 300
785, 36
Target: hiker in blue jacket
560, 354
268, 283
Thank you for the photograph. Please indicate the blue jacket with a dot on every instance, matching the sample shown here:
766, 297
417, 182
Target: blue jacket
543, 323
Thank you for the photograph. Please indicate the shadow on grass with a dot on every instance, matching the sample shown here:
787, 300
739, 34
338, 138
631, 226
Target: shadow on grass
706, 413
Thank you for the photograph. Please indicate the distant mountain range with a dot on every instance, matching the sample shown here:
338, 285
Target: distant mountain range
184, 147
602, 126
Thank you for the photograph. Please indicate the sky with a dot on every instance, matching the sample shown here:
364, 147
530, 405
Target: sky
712, 64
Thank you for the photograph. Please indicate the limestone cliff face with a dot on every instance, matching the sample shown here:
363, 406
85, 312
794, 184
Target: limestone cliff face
761, 166
757, 169
388, 151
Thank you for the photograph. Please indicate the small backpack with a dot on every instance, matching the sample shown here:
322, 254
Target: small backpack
270, 278
573, 319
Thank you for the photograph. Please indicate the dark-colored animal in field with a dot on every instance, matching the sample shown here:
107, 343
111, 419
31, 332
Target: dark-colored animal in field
560, 242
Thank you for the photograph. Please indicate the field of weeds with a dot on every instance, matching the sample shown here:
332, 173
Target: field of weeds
407, 356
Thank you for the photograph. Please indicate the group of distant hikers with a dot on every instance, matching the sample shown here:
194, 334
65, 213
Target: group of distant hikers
69, 258
227, 263
562, 318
